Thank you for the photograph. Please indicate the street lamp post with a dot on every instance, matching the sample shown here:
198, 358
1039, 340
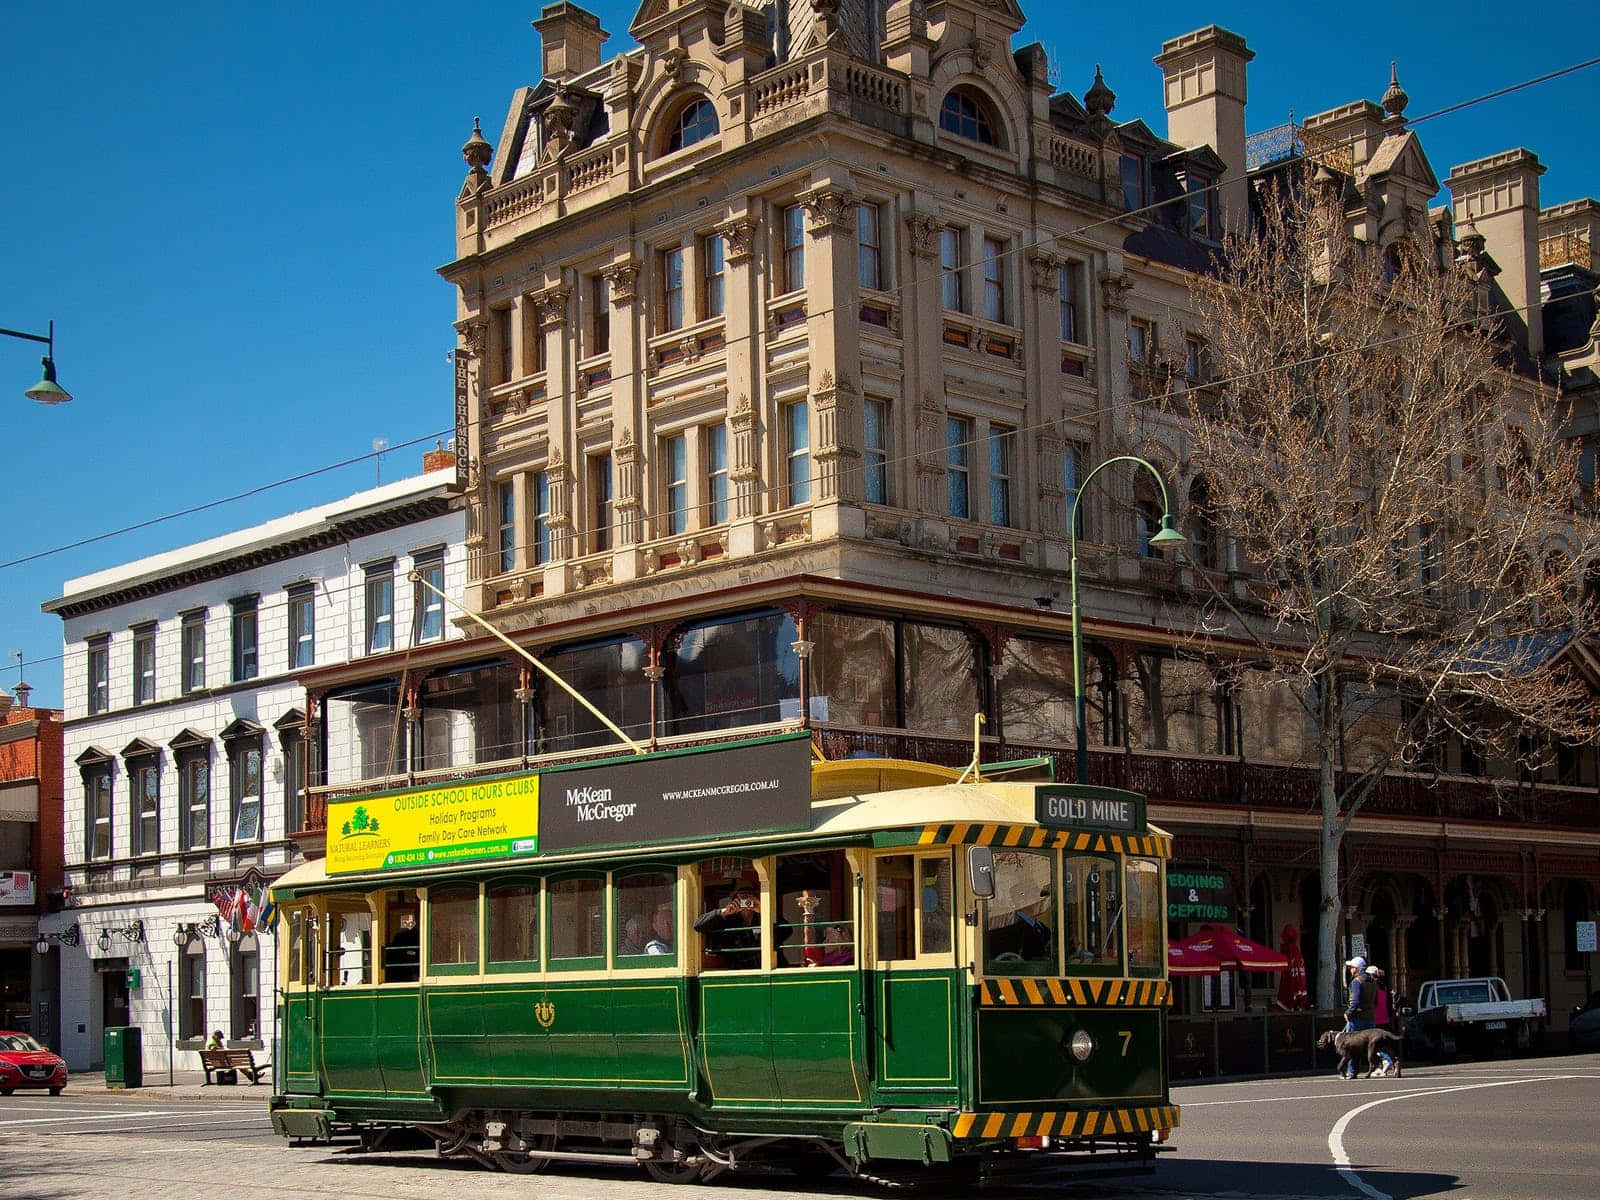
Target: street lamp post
1167, 536
47, 390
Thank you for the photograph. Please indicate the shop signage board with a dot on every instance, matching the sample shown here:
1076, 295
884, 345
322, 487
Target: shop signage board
1199, 894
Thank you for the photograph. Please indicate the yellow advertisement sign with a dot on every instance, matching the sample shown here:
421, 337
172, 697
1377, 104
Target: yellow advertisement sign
459, 822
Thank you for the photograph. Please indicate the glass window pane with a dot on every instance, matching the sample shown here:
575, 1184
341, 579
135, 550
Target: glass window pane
939, 679
1019, 932
513, 912
453, 926
814, 925
1091, 911
350, 946
852, 665
402, 913
729, 923
646, 933
611, 675
1036, 691
577, 919
937, 904
1146, 916
724, 674
897, 935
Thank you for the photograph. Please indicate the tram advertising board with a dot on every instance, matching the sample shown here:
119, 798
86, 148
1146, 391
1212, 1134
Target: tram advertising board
741, 788
759, 788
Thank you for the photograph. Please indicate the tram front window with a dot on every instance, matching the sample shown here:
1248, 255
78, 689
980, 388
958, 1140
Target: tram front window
1019, 934
1146, 915
1091, 917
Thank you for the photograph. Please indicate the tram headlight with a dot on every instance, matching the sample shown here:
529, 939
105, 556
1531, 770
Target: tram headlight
1082, 1045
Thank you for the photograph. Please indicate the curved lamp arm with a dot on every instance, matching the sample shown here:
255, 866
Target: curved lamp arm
1167, 536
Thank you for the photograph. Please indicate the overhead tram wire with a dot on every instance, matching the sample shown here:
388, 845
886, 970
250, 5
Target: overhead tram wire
1018, 249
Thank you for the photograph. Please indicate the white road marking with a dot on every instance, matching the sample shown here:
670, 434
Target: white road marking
1341, 1159
142, 1118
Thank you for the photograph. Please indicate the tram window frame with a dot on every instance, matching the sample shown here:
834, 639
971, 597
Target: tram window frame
1156, 969
491, 923
788, 904
335, 954
437, 897
643, 959
926, 870
1049, 916
396, 964
751, 875
1097, 965
552, 891
302, 945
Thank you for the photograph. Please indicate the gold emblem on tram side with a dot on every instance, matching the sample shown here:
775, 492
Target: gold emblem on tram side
545, 1013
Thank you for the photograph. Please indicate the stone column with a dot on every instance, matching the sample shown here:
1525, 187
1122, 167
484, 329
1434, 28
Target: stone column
743, 325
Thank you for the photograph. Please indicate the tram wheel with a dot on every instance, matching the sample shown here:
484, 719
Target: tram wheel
520, 1164
674, 1172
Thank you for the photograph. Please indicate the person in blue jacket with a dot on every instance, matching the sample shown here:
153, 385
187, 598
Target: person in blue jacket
1358, 1010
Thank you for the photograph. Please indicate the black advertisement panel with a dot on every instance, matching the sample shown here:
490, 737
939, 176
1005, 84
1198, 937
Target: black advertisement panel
1199, 894
715, 792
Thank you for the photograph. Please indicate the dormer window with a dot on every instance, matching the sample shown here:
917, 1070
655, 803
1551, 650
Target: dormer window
967, 114
1202, 208
697, 121
1133, 188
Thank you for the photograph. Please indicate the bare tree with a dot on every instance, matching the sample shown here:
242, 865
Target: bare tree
1401, 495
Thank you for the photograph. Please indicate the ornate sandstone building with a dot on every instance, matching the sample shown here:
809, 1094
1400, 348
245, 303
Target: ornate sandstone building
786, 338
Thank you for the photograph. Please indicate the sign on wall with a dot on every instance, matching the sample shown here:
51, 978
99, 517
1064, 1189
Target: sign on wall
1199, 894
1585, 942
1068, 806
16, 888
455, 823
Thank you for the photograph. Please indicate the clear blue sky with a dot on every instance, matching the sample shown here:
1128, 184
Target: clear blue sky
233, 212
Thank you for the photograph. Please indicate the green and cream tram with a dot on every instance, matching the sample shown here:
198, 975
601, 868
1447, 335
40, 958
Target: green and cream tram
732, 955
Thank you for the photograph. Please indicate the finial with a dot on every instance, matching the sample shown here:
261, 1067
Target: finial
477, 150
1395, 99
1099, 99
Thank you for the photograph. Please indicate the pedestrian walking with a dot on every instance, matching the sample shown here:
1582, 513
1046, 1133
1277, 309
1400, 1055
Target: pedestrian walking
1380, 1011
1358, 1009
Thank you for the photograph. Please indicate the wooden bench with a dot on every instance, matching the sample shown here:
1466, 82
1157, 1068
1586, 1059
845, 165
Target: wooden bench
226, 1065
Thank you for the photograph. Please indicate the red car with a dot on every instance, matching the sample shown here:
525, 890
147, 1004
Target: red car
24, 1063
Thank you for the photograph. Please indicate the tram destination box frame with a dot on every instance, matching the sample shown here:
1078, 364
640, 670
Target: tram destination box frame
1090, 808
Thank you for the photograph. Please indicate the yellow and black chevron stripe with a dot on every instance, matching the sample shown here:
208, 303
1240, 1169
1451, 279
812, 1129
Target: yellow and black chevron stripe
1097, 1122
1038, 838
1050, 992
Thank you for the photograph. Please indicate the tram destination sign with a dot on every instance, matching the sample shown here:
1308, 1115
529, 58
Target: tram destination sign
760, 788
1080, 806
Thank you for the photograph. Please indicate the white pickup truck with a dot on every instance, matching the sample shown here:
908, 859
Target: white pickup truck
1478, 1015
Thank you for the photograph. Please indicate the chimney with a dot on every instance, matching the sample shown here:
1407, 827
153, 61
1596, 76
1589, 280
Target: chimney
1500, 195
24, 690
1204, 75
438, 459
571, 38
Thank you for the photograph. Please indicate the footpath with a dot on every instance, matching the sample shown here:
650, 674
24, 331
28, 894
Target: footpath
184, 1085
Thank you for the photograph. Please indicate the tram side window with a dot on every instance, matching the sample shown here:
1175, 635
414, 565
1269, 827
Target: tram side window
646, 933
453, 930
577, 922
401, 923
349, 944
512, 915
897, 937
730, 915
1146, 913
1019, 929
302, 947
815, 922
1092, 911
936, 903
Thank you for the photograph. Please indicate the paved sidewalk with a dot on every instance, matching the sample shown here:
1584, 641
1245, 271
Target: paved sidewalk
185, 1085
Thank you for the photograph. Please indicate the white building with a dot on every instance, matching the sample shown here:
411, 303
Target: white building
186, 751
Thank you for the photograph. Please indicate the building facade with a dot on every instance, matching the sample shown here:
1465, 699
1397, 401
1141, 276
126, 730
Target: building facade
30, 855
788, 337
189, 748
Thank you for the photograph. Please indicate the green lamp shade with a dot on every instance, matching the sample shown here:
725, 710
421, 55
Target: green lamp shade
47, 390
1168, 535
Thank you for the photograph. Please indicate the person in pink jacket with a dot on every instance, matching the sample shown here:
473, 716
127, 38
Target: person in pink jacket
1380, 1011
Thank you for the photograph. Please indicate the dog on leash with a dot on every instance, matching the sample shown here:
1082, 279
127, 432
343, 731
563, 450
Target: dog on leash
1363, 1043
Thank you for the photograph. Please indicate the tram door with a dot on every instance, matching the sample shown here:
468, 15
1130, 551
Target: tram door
300, 1008
916, 1032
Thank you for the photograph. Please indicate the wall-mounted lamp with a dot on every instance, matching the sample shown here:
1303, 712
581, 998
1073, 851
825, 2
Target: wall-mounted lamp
133, 931
47, 390
70, 936
210, 927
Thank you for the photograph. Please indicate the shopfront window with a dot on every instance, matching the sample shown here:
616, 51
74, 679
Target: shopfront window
611, 674
730, 673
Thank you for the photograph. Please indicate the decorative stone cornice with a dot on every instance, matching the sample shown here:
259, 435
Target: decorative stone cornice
739, 236
1045, 270
550, 305
472, 332
1114, 289
624, 281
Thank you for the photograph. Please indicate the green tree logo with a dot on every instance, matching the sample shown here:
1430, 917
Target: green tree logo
345, 829
358, 819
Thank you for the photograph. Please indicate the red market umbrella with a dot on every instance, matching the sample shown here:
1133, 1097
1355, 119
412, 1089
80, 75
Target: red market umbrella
1227, 948
1192, 960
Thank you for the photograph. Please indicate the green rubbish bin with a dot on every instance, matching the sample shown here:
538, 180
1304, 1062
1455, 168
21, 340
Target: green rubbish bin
124, 1057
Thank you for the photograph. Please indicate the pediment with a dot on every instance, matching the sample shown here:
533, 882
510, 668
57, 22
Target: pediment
241, 727
1401, 155
653, 14
93, 756
140, 748
292, 721
188, 739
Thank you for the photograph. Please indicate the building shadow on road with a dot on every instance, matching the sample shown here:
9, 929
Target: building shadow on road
1201, 1177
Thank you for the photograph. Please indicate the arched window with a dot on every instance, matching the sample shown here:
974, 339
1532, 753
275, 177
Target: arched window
966, 114
696, 121
1205, 540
